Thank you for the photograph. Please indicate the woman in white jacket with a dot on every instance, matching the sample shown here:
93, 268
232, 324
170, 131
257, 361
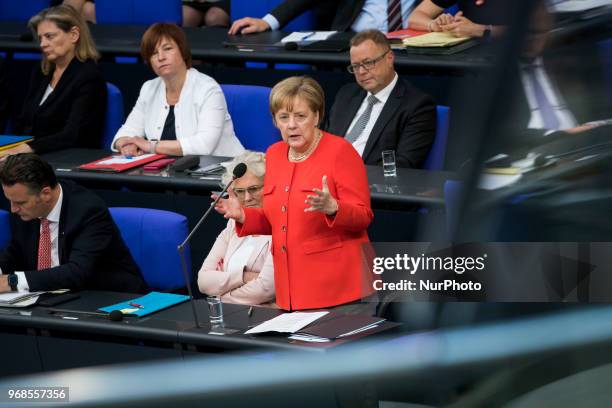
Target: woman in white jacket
182, 111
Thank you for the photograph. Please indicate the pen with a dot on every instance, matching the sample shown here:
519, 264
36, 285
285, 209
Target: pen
129, 157
250, 312
136, 305
307, 36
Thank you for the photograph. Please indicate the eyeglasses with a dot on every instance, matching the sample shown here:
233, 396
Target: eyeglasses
240, 192
367, 65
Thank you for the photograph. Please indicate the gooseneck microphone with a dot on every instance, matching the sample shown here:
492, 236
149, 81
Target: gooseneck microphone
238, 172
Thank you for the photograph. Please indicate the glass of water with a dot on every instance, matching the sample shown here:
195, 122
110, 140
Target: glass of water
215, 310
388, 159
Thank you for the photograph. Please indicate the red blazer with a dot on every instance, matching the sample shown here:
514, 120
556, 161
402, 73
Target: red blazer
319, 261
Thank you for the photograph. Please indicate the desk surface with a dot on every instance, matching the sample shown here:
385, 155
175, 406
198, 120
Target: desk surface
174, 325
207, 44
410, 187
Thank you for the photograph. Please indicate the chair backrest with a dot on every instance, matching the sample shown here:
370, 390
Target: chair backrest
453, 189
248, 107
144, 12
5, 229
259, 8
114, 115
152, 237
11, 10
435, 158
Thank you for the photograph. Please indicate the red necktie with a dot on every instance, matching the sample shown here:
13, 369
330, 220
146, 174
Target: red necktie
44, 245
394, 15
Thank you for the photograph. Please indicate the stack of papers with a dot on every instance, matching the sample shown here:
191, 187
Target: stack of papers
337, 327
441, 39
18, 299
287, 322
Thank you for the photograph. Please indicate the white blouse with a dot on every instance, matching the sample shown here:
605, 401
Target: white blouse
202, 123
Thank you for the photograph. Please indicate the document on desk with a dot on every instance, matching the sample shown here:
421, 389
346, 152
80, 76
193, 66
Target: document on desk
299, 36
435, 39
287, 322
19, 298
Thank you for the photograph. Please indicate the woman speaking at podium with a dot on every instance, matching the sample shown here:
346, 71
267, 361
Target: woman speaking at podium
316, 205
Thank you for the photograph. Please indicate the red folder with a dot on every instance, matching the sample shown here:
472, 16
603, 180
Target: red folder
401, 34
100, 165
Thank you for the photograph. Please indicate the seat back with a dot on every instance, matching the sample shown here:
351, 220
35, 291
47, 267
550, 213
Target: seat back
11, 10
144, 12
114, 115
435, 158
152, 237
248, 106
259, 8
5, 229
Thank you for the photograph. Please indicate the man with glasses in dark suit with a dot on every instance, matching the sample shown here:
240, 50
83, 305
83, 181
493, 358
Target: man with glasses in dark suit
381, 111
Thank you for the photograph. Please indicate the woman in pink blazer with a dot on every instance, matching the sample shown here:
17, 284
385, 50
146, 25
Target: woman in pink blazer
316, 206
240, 269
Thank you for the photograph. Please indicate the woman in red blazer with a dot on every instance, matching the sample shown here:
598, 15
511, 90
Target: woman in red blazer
316, 205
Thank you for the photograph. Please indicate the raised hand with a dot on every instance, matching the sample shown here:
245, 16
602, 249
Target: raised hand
322, 201
230, 207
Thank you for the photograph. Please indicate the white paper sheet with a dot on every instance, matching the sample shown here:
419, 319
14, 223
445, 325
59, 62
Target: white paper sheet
124, 160
298, 36
287, 322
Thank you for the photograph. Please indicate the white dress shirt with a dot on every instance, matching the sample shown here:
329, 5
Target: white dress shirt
202, 123
360, 143
562, 113
373, 15
46, 94
54, 218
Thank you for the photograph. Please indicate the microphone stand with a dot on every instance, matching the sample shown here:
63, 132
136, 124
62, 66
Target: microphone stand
181, 251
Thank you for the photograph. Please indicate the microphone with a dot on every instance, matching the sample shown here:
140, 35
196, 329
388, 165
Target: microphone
238, 172
291, 46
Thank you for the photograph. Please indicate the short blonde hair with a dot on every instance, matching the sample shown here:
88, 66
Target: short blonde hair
255, 162
65, 17
284, 93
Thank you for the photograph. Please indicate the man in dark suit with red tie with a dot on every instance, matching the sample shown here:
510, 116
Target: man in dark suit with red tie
381, 111
62, 235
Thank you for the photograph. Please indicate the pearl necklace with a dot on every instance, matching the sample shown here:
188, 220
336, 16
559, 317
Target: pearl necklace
294, 157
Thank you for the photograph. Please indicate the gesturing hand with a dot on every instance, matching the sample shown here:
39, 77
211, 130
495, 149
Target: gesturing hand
322, 201
230, 207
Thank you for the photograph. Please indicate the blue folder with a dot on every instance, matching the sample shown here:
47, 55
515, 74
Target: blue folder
8, 141
150, 303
